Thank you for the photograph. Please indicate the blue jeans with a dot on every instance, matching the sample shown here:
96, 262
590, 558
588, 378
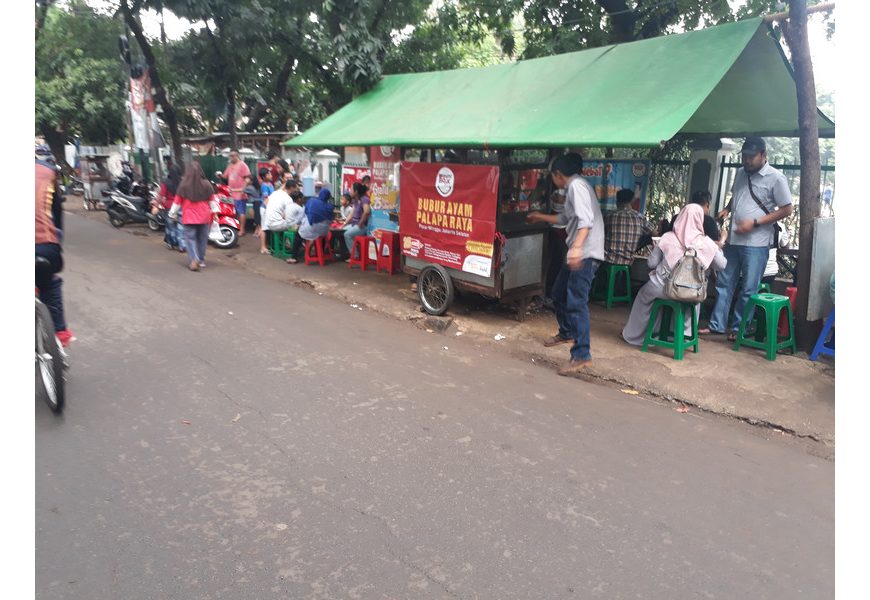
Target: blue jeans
50, 284
350, 234
747, 262
196, 240
570, 295
173, 237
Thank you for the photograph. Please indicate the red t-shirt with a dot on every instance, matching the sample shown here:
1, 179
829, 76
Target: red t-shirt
168, 198
195, 213
235, 174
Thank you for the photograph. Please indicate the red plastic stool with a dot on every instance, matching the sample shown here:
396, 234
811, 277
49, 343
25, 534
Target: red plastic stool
388, 252
362, 241
319, 256
791, 293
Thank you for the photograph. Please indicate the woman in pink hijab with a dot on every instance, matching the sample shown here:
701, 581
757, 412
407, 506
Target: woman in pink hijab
688, 232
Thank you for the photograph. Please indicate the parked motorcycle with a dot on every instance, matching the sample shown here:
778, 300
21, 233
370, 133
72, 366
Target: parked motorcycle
225, 227
76, 186
122, 209
127, 184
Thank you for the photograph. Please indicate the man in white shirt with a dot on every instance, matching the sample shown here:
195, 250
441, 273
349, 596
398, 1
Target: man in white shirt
284, 211
584, 226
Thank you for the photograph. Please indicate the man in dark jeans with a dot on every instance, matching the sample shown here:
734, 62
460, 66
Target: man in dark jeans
48, 238
585, 231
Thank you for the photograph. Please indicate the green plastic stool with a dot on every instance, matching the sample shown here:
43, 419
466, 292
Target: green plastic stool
766, 337
279, 243
679, 342
763, 288
610, 272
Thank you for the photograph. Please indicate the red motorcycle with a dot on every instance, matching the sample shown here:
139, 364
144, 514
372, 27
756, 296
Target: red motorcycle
225, 227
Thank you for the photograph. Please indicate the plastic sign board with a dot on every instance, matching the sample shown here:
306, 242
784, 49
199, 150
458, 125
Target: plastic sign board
447, 214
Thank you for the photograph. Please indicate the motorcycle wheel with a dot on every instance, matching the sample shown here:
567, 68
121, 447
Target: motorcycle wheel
153, 225
49, 360
115, 219
230, 237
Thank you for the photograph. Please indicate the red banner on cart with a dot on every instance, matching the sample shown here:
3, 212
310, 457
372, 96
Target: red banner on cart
447, 214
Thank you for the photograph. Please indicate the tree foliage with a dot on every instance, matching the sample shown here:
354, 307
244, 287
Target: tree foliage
263, 65
80, 84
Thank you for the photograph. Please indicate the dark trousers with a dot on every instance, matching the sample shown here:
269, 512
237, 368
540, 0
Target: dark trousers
50, 283
296, 249
558, 247
571, 300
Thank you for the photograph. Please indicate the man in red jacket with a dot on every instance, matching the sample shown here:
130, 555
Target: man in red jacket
48, 238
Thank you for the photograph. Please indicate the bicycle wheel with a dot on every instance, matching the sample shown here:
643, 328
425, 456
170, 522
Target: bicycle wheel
49, 362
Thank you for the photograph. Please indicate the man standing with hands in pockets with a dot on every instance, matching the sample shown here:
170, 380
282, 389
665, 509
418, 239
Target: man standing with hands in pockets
584, 226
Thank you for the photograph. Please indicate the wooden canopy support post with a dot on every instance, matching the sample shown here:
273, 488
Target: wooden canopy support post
796, 36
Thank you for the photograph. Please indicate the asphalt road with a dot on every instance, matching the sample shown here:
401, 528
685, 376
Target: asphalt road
230, 436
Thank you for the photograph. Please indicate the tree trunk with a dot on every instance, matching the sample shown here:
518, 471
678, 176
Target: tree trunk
281, 81
795, 31
160, 94
231, 117
621, 18
41, 11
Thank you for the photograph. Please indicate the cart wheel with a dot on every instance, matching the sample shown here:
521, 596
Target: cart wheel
435, 289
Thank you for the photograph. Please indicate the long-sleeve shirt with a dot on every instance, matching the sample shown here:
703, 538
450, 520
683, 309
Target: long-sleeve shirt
622, 230
194, 213
282, 213
582, 211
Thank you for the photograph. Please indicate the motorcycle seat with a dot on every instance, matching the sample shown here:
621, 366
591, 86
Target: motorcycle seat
134, 199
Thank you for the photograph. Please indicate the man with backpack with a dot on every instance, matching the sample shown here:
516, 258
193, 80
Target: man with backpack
760, 197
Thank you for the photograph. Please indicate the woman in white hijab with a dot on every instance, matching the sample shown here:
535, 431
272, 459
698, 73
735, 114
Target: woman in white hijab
688, 232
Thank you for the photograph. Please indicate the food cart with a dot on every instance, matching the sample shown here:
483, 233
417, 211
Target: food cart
632, 97
464, 227
96, 179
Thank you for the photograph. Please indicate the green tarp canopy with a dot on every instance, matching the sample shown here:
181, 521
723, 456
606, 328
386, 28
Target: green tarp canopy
729, 80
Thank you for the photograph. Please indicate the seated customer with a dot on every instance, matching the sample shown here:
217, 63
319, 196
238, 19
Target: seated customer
356, 225
315, 222
284, 211
622, 230
346, 209
711, 229
688, 232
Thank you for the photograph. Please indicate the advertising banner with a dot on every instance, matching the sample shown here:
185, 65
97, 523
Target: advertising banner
385, 188
141, 104
447, 214
350, 175
610, 176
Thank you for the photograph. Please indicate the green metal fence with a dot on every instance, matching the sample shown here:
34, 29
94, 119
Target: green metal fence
212, 163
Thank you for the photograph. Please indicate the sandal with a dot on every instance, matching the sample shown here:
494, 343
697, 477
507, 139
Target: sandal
708, 331
732, 336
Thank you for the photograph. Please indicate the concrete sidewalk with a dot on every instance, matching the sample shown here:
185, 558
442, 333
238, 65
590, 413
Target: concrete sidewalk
791, 393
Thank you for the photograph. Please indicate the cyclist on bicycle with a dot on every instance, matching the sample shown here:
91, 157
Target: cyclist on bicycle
49, 236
